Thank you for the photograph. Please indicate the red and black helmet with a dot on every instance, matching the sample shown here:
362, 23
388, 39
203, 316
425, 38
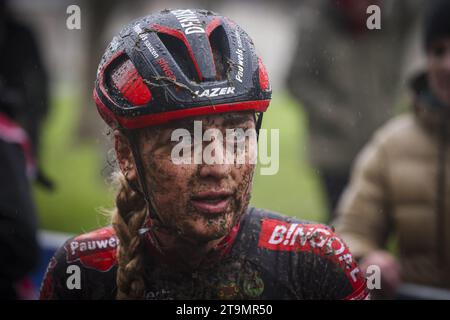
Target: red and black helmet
177, 64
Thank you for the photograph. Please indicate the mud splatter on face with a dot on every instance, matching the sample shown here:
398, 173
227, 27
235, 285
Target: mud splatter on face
174, 186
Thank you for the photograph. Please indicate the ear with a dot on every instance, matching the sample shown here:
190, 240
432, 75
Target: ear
124, 156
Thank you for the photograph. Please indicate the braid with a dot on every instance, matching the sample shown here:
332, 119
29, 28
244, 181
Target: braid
127, 219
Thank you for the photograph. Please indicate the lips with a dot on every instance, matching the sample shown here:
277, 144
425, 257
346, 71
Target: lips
212, 202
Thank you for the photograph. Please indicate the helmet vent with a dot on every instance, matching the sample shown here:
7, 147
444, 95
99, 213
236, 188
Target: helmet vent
130, 84
221, 52
180, 54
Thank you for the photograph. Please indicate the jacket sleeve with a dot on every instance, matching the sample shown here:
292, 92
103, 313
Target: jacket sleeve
308, 73
363, 214
308, 79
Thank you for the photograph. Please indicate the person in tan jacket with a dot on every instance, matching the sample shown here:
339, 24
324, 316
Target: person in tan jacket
400, 183
347, 79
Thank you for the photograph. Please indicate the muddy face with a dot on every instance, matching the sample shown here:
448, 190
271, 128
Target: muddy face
439, 69
201, 202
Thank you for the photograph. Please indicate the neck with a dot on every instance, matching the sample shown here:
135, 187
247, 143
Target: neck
182, 253
185, 252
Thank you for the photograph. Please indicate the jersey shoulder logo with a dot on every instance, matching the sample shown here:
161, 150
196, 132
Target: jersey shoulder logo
95, 250
278, 235
283, 236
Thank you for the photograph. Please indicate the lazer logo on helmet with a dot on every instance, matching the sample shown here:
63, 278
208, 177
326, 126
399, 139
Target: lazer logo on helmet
189, 21
215, 92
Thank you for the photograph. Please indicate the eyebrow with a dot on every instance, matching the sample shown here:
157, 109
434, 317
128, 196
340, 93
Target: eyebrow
230, 119
237, 118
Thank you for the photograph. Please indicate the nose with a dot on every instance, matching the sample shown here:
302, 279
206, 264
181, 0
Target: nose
218, 168
215, 171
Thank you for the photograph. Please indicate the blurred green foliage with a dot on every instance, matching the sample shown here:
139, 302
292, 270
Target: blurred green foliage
76, 169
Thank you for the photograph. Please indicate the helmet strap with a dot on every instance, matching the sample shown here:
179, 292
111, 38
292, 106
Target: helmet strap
258, 124
133, 138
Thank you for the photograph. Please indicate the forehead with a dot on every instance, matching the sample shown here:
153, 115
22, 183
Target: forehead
219, 121
216, 120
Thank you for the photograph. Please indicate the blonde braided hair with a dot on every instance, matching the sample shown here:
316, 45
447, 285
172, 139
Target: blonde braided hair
128, 217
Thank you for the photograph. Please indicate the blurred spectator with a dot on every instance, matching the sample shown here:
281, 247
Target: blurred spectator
400, 183
23, 79
347, 78
23, 104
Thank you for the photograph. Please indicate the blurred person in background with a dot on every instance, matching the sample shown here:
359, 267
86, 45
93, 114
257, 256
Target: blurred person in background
347, 78
23, 105
401, 180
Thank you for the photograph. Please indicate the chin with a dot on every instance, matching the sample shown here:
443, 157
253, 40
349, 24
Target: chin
210, 229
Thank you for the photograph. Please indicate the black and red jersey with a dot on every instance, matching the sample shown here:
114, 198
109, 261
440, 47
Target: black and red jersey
267, 256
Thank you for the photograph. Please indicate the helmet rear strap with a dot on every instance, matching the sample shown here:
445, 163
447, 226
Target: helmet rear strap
133, 138
258, 124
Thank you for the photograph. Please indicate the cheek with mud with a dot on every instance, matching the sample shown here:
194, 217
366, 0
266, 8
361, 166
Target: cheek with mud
168, 188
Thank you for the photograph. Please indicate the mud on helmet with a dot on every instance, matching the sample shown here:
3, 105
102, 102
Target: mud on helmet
177, 64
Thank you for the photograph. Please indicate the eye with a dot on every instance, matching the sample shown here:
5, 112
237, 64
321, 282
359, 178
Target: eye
240, 136
186, 140
236, 135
